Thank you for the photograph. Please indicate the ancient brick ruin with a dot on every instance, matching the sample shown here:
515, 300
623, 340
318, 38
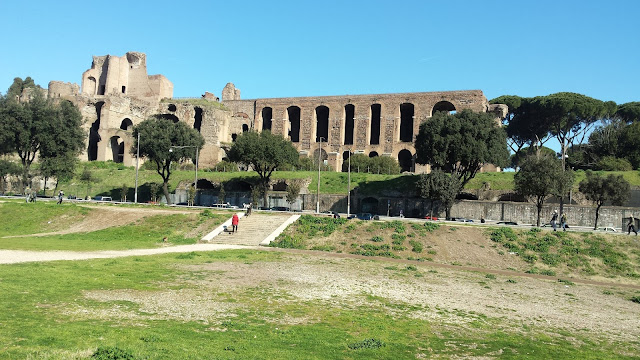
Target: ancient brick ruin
117, 94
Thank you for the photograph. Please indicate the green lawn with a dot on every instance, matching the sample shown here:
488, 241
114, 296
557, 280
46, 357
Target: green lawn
148, 232
45, 314
113, 176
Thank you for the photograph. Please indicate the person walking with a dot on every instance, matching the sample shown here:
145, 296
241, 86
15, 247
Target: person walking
563, 222
632, 226
554, 219
60, 195
234, 223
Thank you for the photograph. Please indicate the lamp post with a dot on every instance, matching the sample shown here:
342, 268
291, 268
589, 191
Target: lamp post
135, 196
319, 162
349, 186
195, 182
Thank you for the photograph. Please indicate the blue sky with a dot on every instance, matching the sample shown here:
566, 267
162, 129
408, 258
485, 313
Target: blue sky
302, 48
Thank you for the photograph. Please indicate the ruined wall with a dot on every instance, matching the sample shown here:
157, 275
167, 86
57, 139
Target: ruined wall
390, 129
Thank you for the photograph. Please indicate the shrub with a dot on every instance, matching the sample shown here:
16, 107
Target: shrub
417, 246
636, 299
431, 226
112, 353
611, 163
377, 239
288, 242
366, 344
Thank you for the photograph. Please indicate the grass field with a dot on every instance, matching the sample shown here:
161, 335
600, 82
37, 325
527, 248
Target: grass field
72, 310
113, 176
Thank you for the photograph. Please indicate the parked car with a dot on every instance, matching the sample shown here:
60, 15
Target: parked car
364, 216
102, 198
428, 217
279, 208
507, 223
332, 214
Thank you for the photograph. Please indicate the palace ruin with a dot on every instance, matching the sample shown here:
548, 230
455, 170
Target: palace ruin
117, 93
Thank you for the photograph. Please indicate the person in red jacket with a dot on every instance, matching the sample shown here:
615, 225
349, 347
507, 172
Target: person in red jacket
234, 223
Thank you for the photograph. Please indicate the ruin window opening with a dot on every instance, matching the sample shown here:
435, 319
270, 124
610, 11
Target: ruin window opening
245, 128
197, 119
117, 149
405, 160
234, 137
171, 107
373, 154
406, 122
349, 123
345, 161
92, 85
293, 112
444, 106
94, 135
123, 89
267, 116
126, 124
322, 123
101, 90
376, 110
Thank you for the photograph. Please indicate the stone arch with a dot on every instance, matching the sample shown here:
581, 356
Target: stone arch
172, 108
345, 160
204, 184
323, 155
117, 149
293, 116
267, 117
376, 110
373, 154
322, 123
407, 113
445, 106
168, 117
405, 160
370, 205
126, 124
91, 83
245, 128
349, 123
197, 118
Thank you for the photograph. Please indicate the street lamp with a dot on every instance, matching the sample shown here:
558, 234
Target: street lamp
319, 160
135, 196
195, 183
349, 186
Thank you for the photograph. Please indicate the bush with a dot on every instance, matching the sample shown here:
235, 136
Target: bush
611, 163
225, 166
366, 344
112, 353
377, 239
288, 242
417, 246
430, 226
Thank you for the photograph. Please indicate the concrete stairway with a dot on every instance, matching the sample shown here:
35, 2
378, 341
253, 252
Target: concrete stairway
252, 230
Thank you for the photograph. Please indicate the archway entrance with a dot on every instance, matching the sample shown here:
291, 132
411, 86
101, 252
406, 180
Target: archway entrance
405, 160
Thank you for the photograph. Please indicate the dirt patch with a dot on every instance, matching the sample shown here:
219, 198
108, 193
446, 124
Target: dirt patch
214, 291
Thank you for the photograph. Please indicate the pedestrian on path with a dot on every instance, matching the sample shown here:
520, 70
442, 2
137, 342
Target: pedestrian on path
563, 222
554, 219
234, 223
632, 226
60, 195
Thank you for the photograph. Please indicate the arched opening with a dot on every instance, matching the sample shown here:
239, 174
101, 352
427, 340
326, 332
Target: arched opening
172, 107
245, 127
322, 123
405, 160
373, 154
126, 124
197, 119
349, 114
345, 161
370, 205
234, 137
94, 136
375, 124
293, 113
323, 156
167, 117
267, 117
204, 184
443, 106
406, 122
91, 85
117, 149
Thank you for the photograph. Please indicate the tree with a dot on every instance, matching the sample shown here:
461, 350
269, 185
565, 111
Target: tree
264, 152
123, 192
293, 191
629, 112
88, 178
59, 167
440, 187
7, 168
539, 177
191, 192
384, 165
521, 123
461, 144
157, 137
38, 127
613, 189
222, 194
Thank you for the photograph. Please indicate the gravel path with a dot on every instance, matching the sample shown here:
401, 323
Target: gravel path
21, 256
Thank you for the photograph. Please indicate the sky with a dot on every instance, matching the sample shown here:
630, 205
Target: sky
315, 48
